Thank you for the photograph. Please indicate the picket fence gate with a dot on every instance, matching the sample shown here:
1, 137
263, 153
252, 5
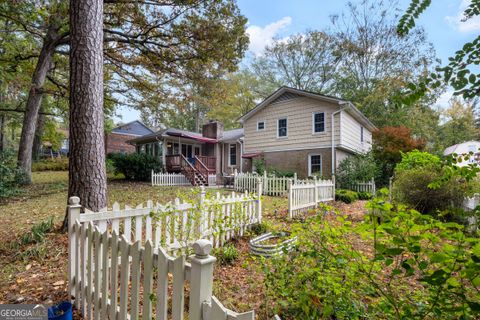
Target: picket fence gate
176, 179
272, 186
303, 196
112, 276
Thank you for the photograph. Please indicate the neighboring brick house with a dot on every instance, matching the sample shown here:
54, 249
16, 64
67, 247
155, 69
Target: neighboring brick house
292, 130
116, 140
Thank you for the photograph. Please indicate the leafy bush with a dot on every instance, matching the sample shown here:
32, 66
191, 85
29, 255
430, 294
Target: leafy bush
363, 195
259, 165
399, 268
418, 159
57, 164
258, 228
10, 176
411, 187
354, 169
281, 172
347, 196
227, 254
135, 166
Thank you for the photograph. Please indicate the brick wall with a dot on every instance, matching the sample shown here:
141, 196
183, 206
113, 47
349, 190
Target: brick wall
116, 142
297, 161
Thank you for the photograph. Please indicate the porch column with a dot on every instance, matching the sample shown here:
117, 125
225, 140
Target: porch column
164, 154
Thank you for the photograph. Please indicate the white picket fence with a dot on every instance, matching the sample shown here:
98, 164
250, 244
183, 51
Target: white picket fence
470, 203
303, 196
176, 179
362, 187
272, 186
112, 276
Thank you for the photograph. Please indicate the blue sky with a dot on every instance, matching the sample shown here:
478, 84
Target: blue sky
269, 19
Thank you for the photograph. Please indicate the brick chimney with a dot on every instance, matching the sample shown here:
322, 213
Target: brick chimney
213, 129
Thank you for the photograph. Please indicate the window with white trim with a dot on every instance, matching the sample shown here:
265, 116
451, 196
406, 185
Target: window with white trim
232, 155
260, 125
282, 128
319, 122
314, 164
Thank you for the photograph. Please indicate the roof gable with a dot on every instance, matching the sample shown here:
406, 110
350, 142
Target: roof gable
135, 128
287, 93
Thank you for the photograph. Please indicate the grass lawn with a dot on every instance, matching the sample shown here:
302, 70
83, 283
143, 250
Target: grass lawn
37, 273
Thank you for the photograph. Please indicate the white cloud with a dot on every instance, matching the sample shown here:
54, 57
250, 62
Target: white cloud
262, 37
471, 25
444, 100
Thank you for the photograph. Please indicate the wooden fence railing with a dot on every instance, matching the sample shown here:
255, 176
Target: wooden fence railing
176, 179
303, 196
112, 276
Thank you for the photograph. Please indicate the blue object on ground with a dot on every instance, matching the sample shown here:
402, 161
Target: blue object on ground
61, 311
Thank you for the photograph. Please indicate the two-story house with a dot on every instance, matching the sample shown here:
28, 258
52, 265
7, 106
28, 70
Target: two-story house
291, 130
304, 132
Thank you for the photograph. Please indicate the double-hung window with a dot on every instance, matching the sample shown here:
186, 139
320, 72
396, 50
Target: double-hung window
319, 122
314, 164
282, 128
260, 125
232, 156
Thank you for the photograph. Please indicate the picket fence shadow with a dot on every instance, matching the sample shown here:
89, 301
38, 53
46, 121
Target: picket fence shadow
112, 276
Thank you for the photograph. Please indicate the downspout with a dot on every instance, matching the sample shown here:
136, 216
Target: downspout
241, 155
333, 134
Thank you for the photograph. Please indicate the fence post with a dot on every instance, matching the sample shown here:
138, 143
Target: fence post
290, 198
74, 208
295, 178
152, 179
334, 186
259, 199
201, 275
199, 223
266, 187
374, 188
316, 190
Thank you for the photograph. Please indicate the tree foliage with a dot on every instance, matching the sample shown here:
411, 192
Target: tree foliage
304, 61
388, 145
459, 73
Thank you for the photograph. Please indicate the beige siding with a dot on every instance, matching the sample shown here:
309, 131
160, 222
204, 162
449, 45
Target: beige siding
340, 155
350, 137
299, 113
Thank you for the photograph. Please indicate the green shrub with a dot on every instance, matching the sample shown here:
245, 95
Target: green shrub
281, 172
10, 176
226, 255
418, 159
404, 269
259, 165
411, 186
135, 166
363, 195
354, 169
347, 196
56, 164
258, 228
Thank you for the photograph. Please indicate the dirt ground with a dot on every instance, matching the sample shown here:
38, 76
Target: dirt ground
37, 273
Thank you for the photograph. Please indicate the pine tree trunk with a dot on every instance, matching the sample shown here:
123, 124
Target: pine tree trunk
87, 176
34, 101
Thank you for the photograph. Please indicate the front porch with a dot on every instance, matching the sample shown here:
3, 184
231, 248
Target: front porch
175, 162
